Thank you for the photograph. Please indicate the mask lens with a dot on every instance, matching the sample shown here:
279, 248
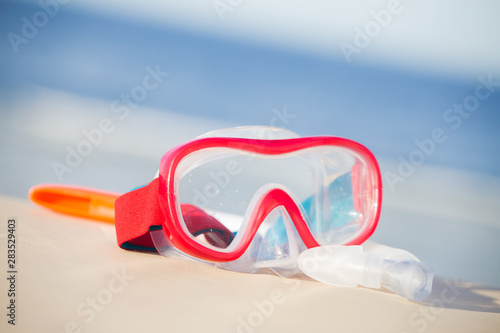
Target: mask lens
331, 185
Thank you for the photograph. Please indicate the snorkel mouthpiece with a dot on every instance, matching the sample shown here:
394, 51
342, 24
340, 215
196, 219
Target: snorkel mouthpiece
377, 266
408, 278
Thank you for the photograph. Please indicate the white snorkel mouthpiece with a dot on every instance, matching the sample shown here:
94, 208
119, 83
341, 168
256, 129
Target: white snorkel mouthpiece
371, 265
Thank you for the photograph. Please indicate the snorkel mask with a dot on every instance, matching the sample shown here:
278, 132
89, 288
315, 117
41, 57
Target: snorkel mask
259, 198
253, 198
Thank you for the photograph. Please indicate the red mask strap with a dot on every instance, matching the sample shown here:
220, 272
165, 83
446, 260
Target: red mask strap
135, 213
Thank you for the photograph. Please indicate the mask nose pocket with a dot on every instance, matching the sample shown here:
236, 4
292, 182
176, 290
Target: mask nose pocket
275, 245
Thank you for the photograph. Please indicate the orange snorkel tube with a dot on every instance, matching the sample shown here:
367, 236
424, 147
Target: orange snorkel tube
75, 200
